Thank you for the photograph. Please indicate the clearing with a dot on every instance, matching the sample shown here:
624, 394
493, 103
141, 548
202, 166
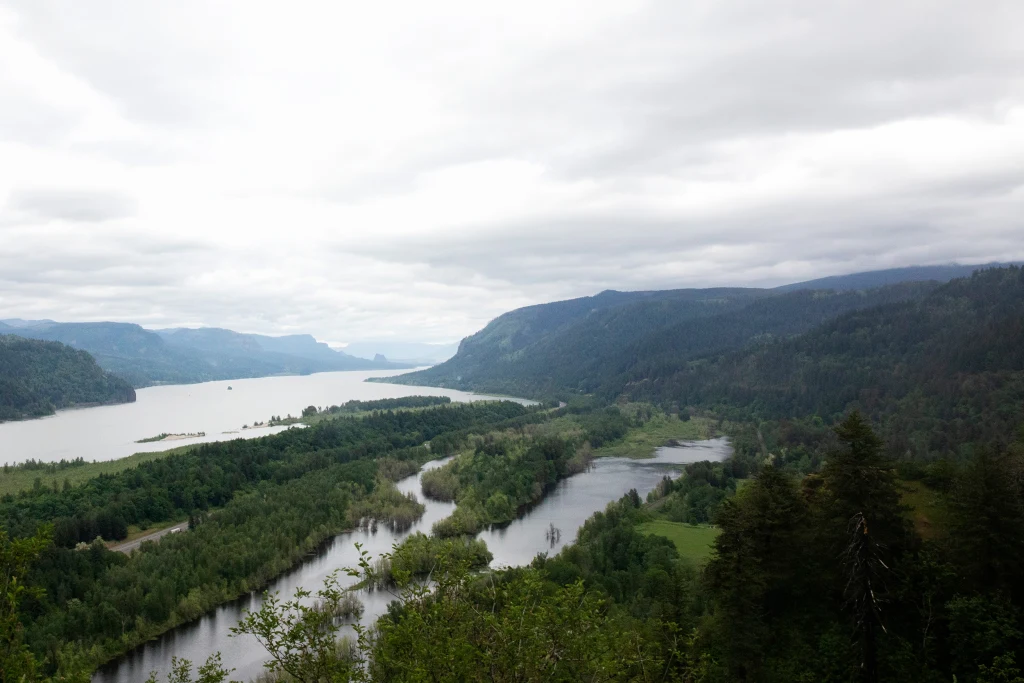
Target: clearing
693, 542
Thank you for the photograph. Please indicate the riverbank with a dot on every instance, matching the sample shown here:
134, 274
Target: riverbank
23, 477
659, 431
111, 432
172, 437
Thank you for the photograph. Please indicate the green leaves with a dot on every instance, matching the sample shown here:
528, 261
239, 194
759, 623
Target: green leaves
301, 636
16, 556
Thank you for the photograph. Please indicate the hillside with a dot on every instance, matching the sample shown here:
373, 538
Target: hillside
38, 377
182, 356
892, 276
598, 344
938, 373
939, 366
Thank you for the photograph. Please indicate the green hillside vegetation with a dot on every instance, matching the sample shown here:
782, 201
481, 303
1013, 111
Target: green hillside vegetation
939, 367
600, 349
37, 378
941, 375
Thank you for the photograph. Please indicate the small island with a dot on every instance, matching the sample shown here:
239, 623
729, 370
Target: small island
171, 437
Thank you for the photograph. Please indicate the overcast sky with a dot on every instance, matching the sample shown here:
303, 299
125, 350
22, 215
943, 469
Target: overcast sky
364, 170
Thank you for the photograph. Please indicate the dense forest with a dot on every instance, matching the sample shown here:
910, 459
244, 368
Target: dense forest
817, 578
599, 351
38, 378
941, 375
255, 507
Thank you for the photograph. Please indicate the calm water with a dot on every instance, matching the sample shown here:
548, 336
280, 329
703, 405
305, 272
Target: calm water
567, 507
110, 432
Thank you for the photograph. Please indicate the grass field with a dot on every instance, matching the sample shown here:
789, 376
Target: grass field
20, 479
692, 542
928, 509
657, 432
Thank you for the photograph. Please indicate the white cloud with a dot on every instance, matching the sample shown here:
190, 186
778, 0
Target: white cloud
410, 170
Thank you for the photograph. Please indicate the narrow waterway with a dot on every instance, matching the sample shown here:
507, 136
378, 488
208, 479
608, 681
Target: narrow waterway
571, 502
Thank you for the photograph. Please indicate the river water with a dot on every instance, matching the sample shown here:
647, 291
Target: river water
567, 506
110, 432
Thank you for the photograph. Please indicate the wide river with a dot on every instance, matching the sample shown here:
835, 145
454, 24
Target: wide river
111, 432
571, 502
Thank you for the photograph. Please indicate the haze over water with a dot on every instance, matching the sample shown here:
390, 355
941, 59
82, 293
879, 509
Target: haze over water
110, 432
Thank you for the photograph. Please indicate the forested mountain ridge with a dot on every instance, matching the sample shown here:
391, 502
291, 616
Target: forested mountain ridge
37, 378
938, 373
598, 343
574, 347
892, 276
181, 356
938, 366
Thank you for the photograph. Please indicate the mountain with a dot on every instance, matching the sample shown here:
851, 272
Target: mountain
414, 353
892, 276
939, 366
18, 322
938, 372
39, 377
181, 356
599, 344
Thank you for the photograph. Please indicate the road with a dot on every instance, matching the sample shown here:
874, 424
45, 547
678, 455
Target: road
129, 546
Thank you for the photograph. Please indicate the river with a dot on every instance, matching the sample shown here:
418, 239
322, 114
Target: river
567, 506
111, 432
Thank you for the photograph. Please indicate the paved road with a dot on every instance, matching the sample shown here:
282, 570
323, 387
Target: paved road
129, 546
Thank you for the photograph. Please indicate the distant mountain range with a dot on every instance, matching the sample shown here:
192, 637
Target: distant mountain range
39, 377
182, 356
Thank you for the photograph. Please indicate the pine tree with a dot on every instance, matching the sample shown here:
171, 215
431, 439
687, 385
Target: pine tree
759, 572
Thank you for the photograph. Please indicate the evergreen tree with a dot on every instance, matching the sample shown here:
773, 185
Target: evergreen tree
861, 480
988, 522
760, 571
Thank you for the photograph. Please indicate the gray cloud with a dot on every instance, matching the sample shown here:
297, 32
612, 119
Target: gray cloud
71, 205
357, 171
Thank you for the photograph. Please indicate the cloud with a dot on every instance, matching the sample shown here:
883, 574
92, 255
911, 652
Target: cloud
411, 170
71, 205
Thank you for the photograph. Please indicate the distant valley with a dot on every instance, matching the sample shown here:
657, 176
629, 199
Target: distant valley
184, 356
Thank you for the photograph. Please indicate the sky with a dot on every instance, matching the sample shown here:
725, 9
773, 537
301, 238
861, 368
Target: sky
410, 170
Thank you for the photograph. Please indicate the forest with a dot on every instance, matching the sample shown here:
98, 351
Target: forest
821, 577
255, 507
37, 378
